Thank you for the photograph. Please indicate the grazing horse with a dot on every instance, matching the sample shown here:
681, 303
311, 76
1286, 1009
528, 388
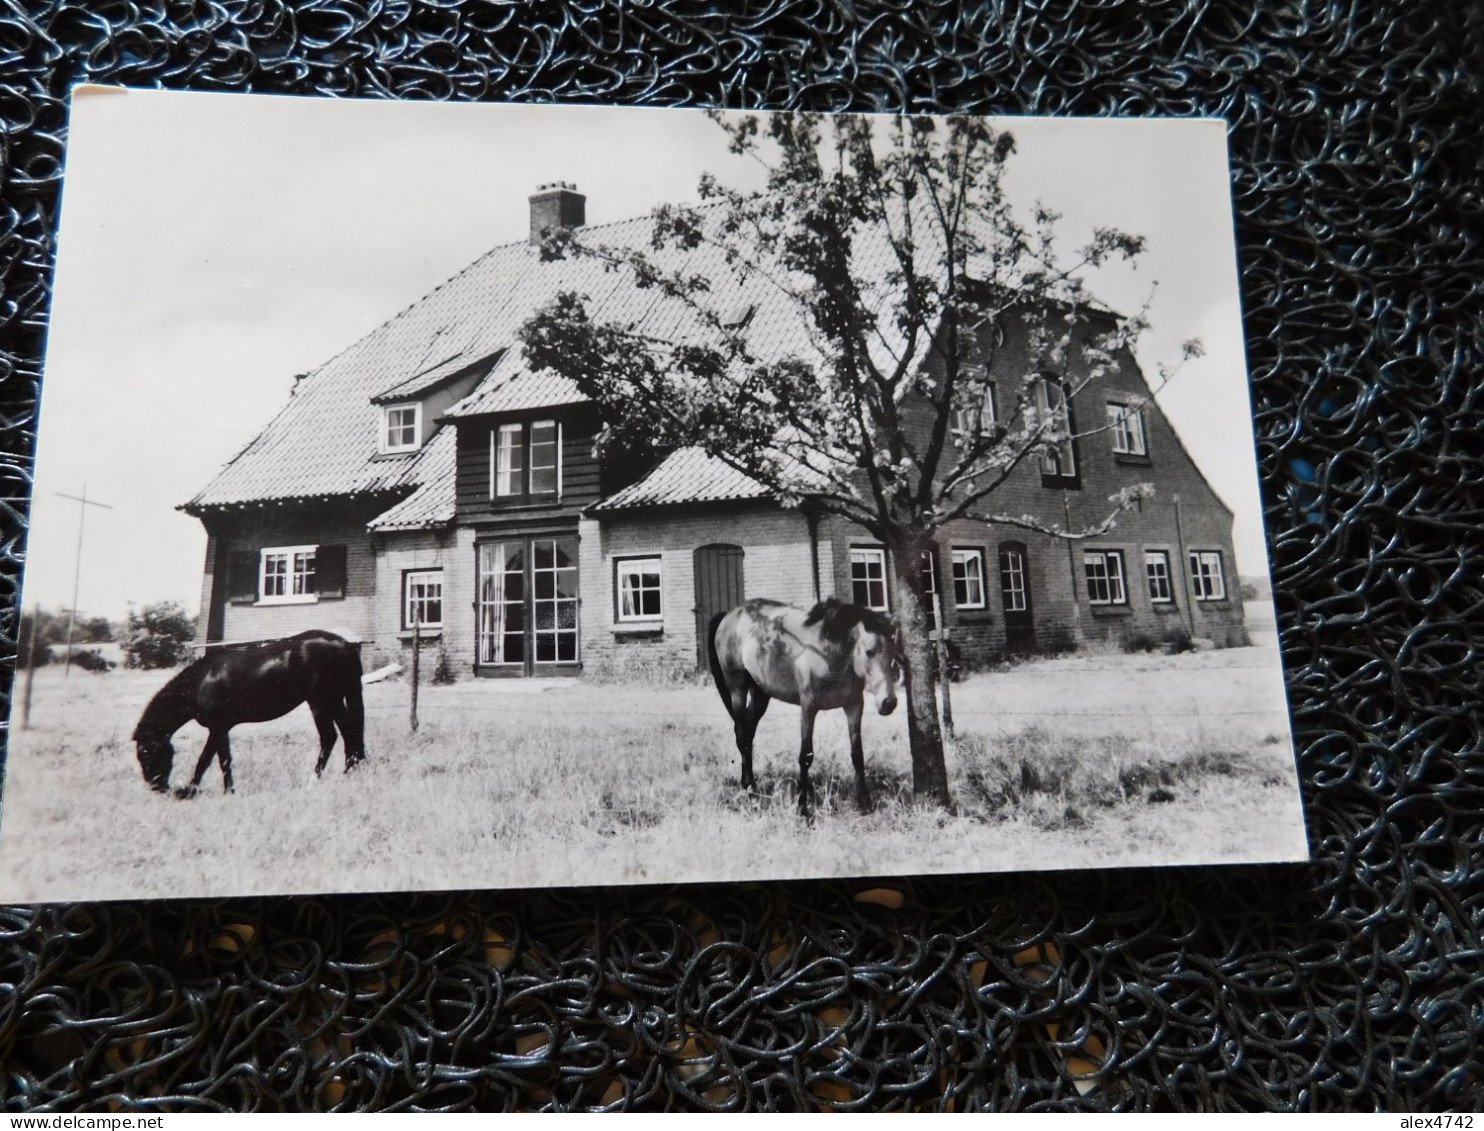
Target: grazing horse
828, 657
252, 683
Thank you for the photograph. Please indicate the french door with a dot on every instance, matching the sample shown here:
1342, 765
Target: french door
527, 605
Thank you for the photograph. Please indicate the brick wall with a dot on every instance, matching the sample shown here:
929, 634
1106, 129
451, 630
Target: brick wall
775, 564
1063, 614
394, 555
251, 531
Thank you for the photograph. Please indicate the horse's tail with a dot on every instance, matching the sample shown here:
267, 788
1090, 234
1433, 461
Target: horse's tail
355, 741
712, 655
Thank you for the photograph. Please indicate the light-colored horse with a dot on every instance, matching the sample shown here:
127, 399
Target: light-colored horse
828, 657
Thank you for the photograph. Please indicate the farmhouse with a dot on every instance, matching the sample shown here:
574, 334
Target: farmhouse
426, 480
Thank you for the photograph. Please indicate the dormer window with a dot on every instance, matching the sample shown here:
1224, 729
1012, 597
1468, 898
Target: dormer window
526, 460
401, 428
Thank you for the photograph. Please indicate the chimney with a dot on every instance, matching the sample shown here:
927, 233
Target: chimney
556, 205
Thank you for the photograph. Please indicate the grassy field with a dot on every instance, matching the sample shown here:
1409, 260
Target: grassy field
1086, 760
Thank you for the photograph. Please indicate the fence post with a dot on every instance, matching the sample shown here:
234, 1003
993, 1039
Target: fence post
30, 669
416, 649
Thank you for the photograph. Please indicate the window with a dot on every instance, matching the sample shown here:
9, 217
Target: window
1206, 579
964, 423
639, 588
1059, 461
868, 577
1126, 423
526, 460
968, 578
401, 428
286, 575
1105, 577
1012, 579
1157, 570
526, 605
930, 586
422, 598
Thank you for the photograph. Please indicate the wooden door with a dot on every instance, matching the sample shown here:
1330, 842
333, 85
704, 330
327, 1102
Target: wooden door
1015, 598
718, 569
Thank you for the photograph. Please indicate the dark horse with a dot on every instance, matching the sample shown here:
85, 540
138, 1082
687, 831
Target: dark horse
252, 683
828, 657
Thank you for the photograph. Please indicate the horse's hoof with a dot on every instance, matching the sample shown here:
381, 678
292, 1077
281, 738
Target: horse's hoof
186, 792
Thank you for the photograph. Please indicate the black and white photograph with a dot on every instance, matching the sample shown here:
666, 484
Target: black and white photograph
490, 496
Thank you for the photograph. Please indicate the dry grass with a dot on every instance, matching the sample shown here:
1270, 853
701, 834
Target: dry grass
1078, 761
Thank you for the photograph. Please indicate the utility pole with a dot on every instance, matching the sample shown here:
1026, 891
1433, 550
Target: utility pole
82, 517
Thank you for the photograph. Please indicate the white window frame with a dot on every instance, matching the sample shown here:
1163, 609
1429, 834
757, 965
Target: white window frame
1162, 557
500, 476
556, 426
1014, 594
407, 581
288, 553
988, 418
389, 448
634, 565
1063, 463
962, 555
867, 554
1199, 582
1114, 578
1126, 422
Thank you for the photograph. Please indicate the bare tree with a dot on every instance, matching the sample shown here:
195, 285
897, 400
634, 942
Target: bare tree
835, 335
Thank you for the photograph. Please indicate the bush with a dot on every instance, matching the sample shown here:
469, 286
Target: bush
159, 636
1140, 642
90, 661
1179, 640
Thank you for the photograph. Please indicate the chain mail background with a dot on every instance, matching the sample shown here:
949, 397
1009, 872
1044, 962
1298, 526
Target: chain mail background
1349, 983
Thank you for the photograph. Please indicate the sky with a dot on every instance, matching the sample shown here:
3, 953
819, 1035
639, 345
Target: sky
213, 246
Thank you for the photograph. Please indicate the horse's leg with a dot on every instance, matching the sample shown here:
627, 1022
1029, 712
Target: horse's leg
224, 759
853, 711
806, 756
324, 721
208, 752
757, 706
742, 728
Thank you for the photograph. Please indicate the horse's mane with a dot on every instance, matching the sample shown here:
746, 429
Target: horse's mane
836, 619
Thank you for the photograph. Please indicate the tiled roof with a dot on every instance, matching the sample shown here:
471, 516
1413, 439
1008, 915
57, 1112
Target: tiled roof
688, 475
432, 502
323, 442
430, 379
511, 387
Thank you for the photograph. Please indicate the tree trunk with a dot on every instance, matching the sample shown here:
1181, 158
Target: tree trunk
924, 735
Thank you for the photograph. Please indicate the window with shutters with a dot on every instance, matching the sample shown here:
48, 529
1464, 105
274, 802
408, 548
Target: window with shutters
286, 575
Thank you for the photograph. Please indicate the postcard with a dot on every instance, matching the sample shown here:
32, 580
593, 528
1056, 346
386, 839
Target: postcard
488, 496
